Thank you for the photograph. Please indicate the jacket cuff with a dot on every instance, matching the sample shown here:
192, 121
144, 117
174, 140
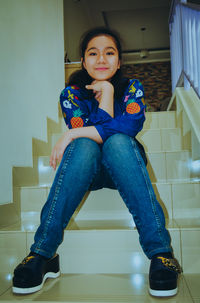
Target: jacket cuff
101, 132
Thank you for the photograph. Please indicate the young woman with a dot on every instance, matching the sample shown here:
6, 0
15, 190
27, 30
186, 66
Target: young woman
104, 113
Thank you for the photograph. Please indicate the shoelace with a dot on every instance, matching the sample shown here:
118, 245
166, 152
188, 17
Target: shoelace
171, 263
27, 259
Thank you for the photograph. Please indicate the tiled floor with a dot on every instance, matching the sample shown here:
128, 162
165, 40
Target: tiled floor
119, 288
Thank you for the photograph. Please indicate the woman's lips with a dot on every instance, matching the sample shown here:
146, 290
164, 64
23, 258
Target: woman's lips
101, 68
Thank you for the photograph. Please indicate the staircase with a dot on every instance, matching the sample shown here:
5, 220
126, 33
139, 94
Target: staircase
101, 259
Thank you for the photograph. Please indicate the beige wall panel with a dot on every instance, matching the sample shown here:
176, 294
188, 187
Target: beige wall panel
32, 76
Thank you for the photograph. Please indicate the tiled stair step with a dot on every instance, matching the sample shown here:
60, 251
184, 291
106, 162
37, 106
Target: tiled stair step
162, 166
118, 251
165, 119
98, 251
178, 200
114, 251
166, 139
106, 288
86, 250
154, 120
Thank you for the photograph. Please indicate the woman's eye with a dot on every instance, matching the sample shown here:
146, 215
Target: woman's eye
110, 53
92, 54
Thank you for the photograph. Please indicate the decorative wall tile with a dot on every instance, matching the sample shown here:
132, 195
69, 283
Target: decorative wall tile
156, 79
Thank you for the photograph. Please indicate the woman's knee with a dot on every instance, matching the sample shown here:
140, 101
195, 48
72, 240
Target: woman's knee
124, 145
116, 142
84, 149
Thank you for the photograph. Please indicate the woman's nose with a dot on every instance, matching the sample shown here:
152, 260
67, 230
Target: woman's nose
101, 58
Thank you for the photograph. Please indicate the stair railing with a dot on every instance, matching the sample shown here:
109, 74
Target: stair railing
184, 28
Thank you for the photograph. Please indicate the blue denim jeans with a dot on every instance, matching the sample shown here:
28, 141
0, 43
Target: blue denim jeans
116, 164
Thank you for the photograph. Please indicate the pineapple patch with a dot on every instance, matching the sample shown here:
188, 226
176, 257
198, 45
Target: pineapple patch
132, 107
76, 120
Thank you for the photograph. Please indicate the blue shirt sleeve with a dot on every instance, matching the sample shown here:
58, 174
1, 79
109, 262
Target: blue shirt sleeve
76, 112
130, 122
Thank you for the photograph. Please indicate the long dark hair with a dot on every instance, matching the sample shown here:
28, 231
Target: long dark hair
82, 78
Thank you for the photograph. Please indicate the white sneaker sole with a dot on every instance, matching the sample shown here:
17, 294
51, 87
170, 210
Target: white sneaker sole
30, 290
163, 293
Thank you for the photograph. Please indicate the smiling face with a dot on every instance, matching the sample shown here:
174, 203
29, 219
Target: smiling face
101, 58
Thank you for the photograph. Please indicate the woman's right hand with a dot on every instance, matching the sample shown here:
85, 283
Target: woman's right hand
59, 148
104, 94
99, 87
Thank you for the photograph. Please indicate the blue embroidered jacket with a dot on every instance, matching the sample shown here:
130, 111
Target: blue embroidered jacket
129, 112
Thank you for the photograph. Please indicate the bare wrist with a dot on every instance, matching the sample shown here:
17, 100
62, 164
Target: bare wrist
107, 87
71, 134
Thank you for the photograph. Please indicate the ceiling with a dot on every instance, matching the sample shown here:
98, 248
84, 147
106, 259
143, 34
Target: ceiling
141, 24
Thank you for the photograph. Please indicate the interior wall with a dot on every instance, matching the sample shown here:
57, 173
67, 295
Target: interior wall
32, 76
76, 22
126, 17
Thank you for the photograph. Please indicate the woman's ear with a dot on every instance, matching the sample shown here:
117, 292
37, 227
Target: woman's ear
119, 64
82, 62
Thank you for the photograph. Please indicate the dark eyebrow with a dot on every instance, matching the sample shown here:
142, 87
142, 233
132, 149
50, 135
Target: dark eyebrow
91, 48
106, 48
111, 47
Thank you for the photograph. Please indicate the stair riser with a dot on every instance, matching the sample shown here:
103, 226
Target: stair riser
161, 166
160, 120
105, 251
105, 204
99, 252
178, 201
12, 251
154, 140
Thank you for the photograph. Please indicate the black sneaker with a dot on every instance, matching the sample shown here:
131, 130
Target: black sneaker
31, 273
163, 276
